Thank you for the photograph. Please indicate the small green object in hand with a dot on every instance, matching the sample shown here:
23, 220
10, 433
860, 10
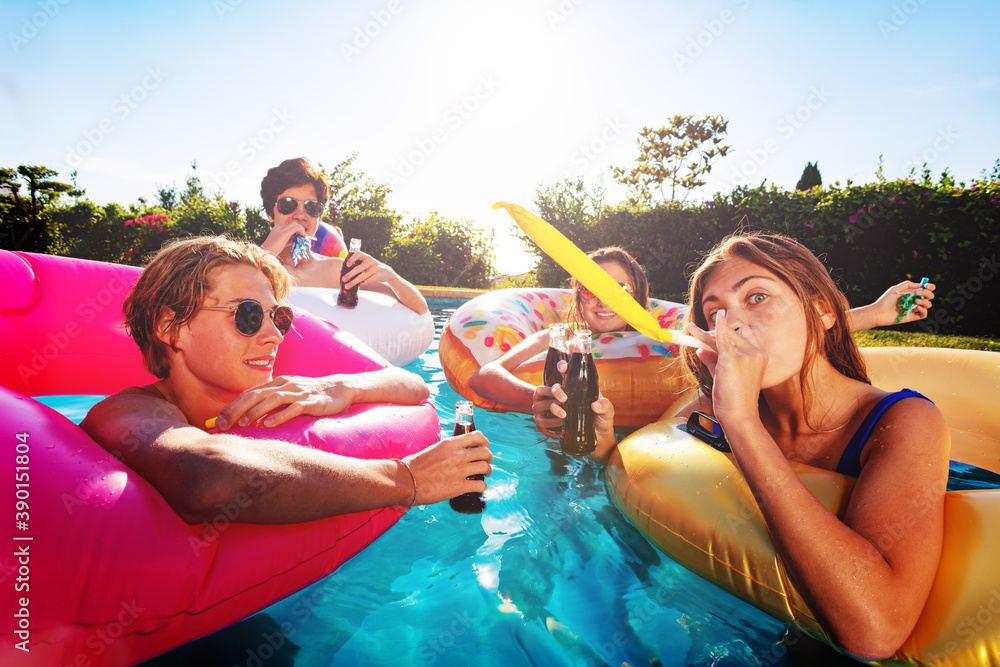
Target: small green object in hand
907, 303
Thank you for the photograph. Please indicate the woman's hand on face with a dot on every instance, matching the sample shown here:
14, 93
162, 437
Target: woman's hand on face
736, 362
542, 403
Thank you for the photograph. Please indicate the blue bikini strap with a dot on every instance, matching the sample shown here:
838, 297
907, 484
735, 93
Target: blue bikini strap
850, 460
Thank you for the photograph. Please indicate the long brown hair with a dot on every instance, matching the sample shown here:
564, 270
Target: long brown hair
637, 277
178, 278
794, 264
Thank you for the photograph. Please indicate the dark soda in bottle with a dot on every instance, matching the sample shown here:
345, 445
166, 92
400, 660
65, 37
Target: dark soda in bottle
580, 385
557, 352
472, 502
348, 297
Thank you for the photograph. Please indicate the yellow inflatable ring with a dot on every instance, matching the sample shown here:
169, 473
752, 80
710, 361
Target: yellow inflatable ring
639, 375
690, 501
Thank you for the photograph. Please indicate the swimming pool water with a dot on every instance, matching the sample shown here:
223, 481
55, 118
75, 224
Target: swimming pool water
549, 574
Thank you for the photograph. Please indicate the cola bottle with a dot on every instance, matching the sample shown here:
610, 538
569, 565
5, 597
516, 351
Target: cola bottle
580, 385
348, 297
472, 502
557, 352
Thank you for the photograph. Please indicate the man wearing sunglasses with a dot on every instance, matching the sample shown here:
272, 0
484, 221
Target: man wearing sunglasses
206, 315
294, 196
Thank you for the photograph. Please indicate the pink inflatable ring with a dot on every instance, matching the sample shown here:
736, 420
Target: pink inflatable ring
97, 568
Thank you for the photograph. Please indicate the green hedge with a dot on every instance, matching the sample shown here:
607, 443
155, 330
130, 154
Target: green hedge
871, 236
374, 229
442, 252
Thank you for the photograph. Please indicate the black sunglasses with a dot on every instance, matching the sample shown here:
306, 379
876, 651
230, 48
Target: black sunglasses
287, 206
250, 317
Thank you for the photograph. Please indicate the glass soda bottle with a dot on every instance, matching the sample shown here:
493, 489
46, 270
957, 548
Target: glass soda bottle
557, 352
472, 502
580, 385
348, 297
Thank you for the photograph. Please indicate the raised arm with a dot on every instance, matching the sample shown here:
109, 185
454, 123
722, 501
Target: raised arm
271, 481
883, 311
496, 381
867, 576
375, 276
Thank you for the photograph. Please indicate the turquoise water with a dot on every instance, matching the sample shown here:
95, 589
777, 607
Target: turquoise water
549, 574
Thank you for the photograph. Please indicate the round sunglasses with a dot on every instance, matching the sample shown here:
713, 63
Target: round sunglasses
250, 317
287, 206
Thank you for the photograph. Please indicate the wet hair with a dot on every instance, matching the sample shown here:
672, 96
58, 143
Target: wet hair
176, 281
636, 274
798, 268
288, 174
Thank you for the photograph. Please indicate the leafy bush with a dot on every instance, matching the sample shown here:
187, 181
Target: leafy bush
374, 229
870, 236
443, 252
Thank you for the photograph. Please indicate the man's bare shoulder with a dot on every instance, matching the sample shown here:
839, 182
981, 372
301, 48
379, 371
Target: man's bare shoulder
130, 417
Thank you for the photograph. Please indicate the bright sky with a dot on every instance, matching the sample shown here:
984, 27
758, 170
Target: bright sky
459, 104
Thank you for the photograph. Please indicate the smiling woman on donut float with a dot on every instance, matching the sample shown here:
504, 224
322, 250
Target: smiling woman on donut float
497, 381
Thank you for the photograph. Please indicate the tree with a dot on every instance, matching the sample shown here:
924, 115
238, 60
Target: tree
676, 155
439, 251
569, 202
353, 191
24, 217
572, 208
810, 177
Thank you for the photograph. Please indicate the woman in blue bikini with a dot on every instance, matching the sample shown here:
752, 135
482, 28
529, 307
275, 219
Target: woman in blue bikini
786, 382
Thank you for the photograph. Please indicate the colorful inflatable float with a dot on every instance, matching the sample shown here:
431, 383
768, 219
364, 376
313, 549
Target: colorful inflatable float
328, 241
97, 569
640, 376
690, 500
396, 333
